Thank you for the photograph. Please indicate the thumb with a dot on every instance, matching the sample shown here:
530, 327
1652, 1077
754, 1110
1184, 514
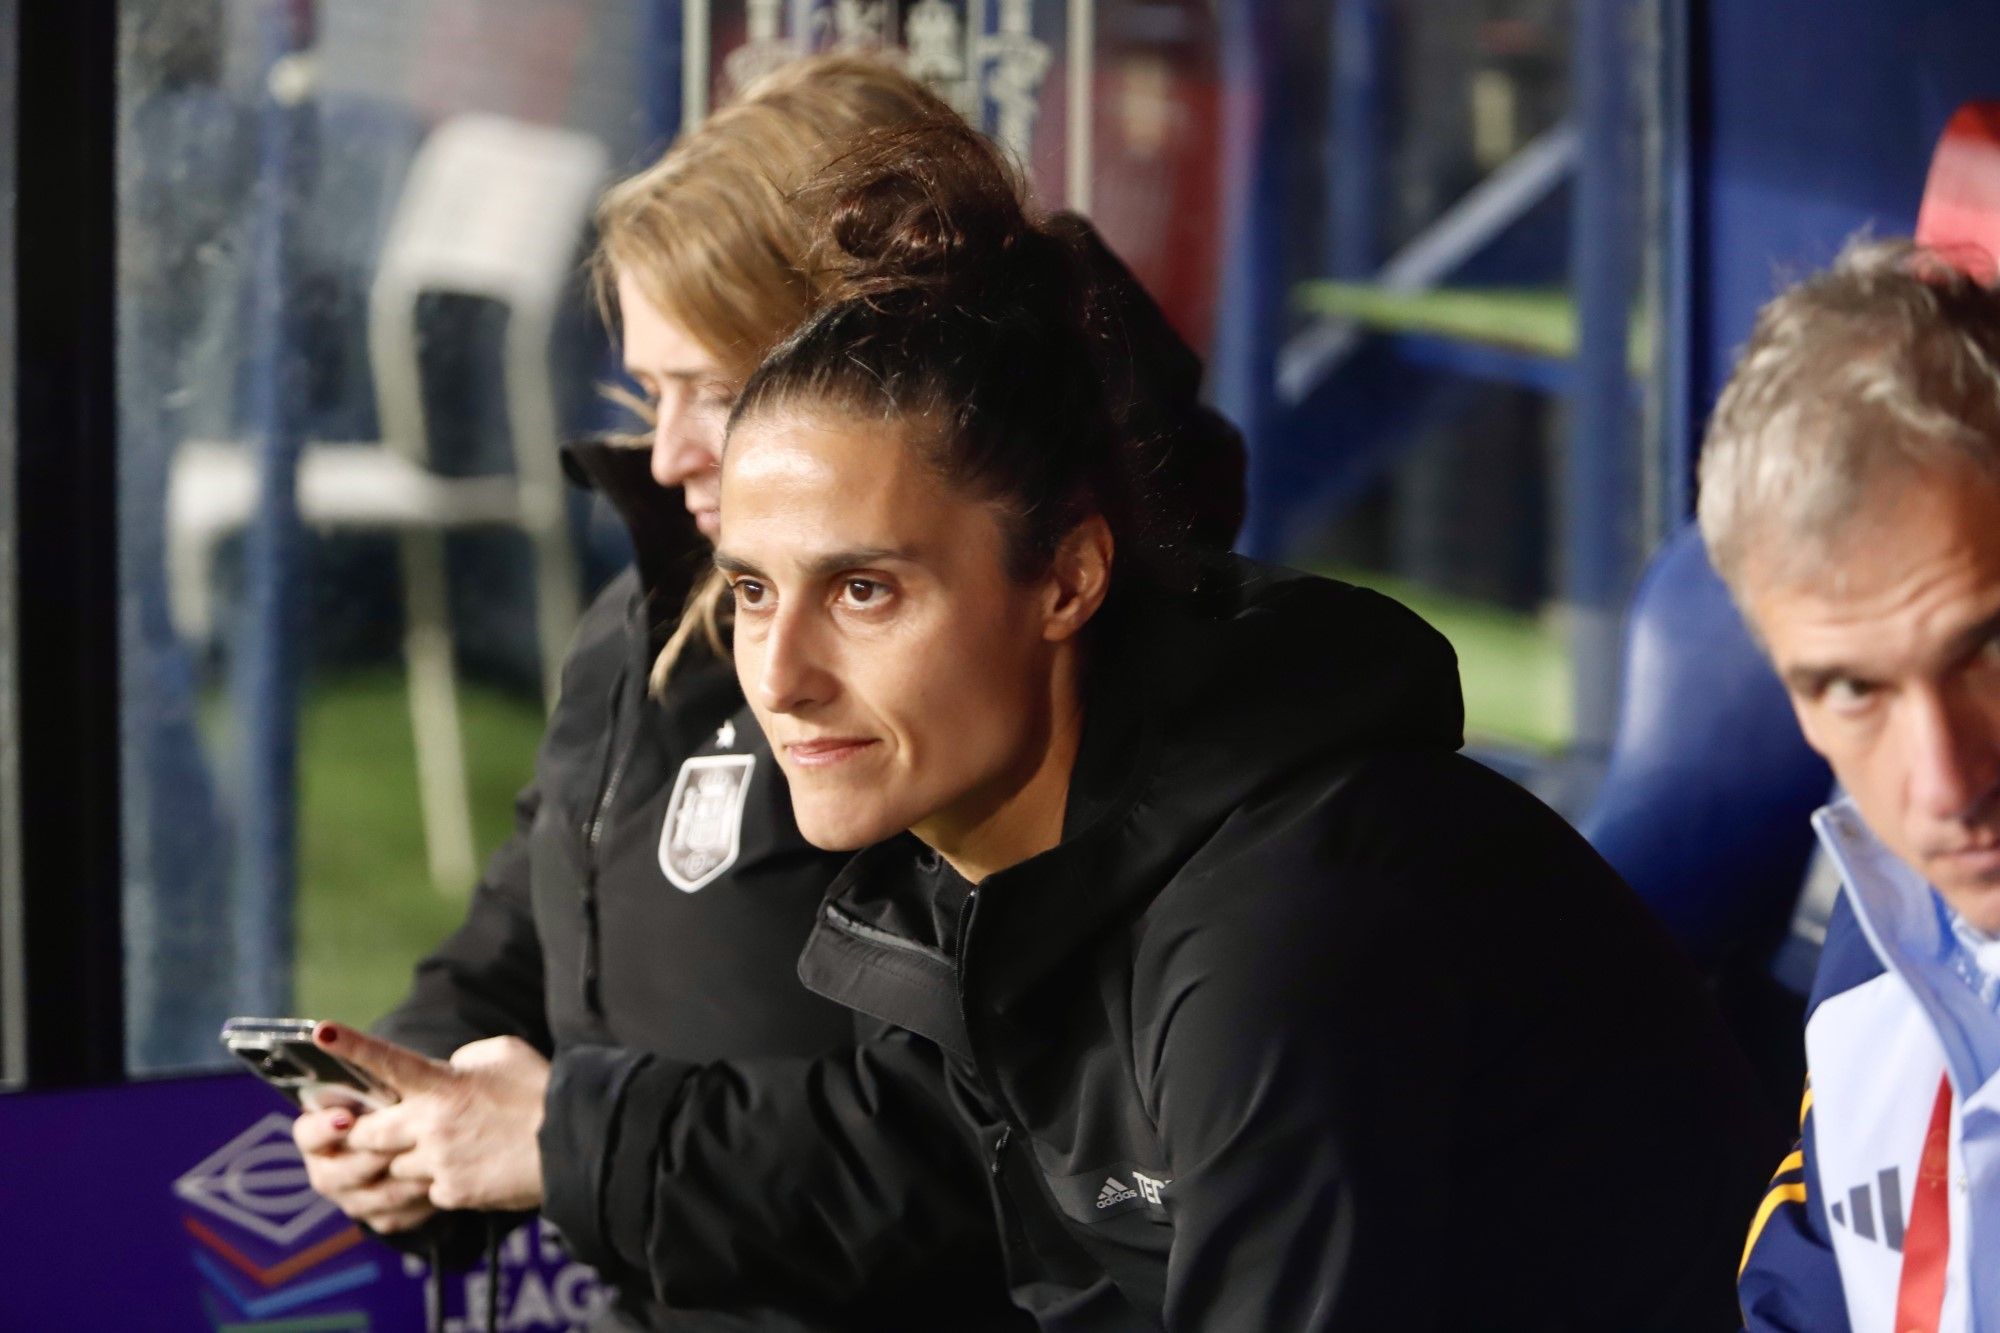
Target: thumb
496, 1053
398, 1066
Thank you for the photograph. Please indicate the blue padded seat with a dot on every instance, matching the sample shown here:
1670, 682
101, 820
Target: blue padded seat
1703, 807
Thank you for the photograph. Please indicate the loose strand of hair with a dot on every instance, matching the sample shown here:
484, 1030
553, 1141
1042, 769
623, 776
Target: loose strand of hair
702, 616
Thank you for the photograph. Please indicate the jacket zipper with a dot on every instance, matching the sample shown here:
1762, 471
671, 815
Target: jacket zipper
889, 940
968, 914
593, 835
1015, 1239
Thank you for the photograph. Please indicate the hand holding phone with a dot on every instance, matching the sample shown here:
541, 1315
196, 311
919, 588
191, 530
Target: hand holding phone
281, 1051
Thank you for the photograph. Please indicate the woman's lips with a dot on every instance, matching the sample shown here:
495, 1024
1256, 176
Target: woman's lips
828, 752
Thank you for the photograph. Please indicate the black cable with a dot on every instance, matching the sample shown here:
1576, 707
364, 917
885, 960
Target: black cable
434, 1288
492, 1275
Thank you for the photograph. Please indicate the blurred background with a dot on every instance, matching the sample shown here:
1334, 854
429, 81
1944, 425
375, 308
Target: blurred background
1364, 213
1467, 275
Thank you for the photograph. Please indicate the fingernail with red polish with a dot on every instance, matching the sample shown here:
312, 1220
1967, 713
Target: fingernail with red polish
343, 1121
326, 1034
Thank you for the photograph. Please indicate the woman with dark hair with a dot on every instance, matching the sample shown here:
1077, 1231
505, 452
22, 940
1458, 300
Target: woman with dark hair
617, 1029
1267, 1009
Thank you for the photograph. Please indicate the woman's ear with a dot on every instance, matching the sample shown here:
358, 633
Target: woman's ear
1078, 579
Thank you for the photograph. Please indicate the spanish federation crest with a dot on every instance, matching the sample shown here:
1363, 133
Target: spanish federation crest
704, 827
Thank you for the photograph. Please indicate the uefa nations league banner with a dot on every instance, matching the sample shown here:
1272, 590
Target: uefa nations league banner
181, 1204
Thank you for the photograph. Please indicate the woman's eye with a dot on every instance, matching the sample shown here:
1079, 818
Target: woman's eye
864, 592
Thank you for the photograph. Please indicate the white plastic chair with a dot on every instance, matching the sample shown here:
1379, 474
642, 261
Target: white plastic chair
491, 208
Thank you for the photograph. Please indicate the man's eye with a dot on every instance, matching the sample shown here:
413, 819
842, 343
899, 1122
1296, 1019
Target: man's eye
1846, 693
748, 592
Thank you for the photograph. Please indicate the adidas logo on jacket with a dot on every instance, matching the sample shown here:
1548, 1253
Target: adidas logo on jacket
1872, 1224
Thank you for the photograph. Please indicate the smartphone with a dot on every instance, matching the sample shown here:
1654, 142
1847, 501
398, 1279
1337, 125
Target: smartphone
281, 1052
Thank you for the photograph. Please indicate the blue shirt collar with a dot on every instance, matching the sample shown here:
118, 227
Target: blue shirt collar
1912, 932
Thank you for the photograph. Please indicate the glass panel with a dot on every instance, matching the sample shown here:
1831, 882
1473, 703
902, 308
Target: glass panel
293, 842
1442, 383
285, 849
281, 317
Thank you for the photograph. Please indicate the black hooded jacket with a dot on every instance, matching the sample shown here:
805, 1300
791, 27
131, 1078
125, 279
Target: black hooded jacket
1309, 1022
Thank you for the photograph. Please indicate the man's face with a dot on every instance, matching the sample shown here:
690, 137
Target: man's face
899, 670
1891, 654
690, 396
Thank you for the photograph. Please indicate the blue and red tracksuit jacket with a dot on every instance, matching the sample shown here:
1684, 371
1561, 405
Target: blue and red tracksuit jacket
1886, 1216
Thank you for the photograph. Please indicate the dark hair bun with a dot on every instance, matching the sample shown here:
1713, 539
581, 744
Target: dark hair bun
927, 213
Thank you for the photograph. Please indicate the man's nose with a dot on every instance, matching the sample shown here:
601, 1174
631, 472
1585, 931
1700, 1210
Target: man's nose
1954, 755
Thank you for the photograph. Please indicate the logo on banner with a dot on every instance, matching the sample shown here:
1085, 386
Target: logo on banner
274, 1257
258, 1182
266, 1245
703, 831
540, 1287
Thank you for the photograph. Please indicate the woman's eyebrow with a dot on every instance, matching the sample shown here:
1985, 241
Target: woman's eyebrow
831, 562
662, 373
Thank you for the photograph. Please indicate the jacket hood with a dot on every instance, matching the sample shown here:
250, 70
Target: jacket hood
669, 549
1257, 673
1261, 679
1195, 704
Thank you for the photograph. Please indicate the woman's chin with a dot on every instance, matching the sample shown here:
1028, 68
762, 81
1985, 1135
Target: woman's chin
837, 826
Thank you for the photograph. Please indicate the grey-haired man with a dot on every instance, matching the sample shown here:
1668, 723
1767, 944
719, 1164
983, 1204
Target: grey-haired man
1851, 499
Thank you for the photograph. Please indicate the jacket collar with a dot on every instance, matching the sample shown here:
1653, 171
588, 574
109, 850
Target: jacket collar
1896, 910
862, 954
668, 548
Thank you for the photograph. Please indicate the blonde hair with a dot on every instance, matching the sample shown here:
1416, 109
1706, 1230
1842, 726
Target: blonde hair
1890, 359
713, 238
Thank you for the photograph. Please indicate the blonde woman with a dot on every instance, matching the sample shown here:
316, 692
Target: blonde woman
619, 1024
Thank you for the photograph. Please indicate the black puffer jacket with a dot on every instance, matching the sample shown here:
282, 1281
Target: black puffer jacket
578, 942
1309, 1022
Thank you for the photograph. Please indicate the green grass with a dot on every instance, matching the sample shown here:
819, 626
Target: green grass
367, 909
1514, 667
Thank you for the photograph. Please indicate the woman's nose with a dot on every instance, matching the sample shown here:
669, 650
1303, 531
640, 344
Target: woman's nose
679, 453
